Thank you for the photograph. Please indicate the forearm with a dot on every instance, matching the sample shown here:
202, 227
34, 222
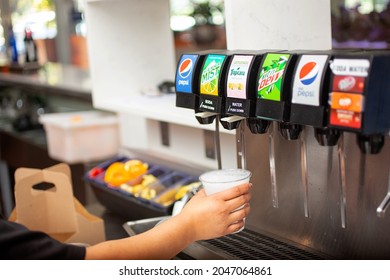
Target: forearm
161, 242
203, 217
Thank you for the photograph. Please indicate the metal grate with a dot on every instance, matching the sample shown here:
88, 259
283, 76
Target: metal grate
250, 245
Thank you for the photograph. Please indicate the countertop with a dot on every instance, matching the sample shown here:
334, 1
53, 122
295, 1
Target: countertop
63, 79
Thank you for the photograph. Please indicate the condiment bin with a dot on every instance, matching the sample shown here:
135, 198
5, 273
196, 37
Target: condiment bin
83, 136
133, 206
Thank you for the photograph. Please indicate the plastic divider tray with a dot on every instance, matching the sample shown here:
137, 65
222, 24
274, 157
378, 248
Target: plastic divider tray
126, 204
173, 182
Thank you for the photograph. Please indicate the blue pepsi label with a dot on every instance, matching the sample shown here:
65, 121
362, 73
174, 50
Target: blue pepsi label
184, 73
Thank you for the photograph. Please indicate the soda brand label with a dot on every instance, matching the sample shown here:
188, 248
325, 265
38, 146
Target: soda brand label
210, 75
307, 80
271, 76
347, 101
350, 67
345, 118
184, 74
348, 84
238, 76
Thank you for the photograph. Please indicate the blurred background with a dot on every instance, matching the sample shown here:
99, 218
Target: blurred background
59, 29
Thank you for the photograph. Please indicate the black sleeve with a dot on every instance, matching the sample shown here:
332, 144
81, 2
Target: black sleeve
17, 242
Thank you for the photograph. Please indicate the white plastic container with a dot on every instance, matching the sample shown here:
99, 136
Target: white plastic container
77, 137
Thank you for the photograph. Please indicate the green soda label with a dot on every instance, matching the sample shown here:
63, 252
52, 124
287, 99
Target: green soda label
210, 74
270, 77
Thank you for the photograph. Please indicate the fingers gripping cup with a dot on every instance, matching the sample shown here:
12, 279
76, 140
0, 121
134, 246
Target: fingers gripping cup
223, 179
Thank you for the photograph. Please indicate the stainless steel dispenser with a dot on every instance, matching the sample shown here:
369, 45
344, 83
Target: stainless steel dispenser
276, 228
366, 175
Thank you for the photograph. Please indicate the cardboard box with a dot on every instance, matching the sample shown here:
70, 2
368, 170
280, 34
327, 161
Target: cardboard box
44, 202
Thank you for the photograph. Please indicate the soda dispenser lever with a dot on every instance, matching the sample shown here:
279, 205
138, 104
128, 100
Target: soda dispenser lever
305, 188
234, 122
380, 211
343, 181
271, 151
241, 148
218, 143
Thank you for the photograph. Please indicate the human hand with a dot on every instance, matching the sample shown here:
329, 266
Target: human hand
217, 214
203, 217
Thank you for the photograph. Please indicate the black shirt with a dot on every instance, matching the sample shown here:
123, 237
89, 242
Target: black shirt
17, 243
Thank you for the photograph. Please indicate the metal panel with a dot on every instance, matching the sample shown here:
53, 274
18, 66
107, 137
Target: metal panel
365, 236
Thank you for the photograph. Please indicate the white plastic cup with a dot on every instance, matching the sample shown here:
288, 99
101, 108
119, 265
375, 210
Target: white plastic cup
224, 179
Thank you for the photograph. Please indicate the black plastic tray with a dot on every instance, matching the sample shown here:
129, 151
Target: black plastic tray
123, 203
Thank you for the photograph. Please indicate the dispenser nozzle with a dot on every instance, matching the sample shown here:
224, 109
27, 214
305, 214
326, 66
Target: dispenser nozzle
370, 144
258, 126
290, 131
326, 136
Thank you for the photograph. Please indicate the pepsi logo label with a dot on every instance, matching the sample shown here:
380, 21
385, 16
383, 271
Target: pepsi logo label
184, 73
308, 73
185, 68
307, 80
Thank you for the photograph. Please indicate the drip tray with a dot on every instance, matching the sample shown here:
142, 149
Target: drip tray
251, 245
245, 245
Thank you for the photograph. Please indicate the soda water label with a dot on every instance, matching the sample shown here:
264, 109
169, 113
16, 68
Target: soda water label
271, 75
347, 99
307, 80
211, 71
184, 73
350, 67
238, 76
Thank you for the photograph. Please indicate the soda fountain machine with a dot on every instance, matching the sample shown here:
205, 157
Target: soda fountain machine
323, 98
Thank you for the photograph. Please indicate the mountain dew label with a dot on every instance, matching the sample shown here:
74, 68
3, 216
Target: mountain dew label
271, 75
210, 74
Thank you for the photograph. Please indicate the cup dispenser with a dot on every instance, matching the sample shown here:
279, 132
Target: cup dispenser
273, 104
360, 101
